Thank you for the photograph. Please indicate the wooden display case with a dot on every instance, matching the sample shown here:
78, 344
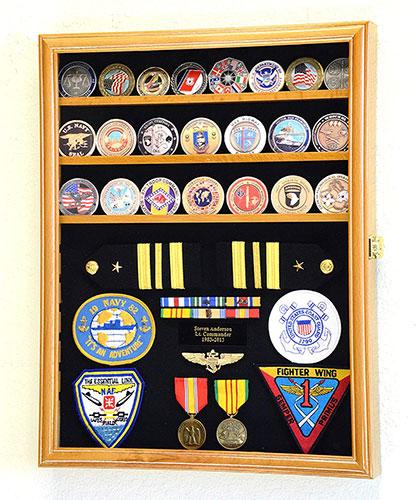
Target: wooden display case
350, 445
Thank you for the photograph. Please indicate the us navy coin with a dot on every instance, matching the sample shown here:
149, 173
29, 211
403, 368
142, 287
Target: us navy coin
116, 79
289, 134
189, 78
201, 136
158, 136
77, 79
292, 194
153, 81
227, 76
203, 195
114, 329
331, 194
245, 134
330, 133
231, 433
191, 434
266, 76
76, 138
78, 197
337, 74
247, 195
304, 326
116, 138
120, 197
304, 74
160, 196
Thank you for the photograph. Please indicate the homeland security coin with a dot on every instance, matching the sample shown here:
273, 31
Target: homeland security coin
116, 138
200, 136
120, 197
114, 329
245, 134
116, 79
160, 196
304, 74
330, 133
289, 134
292, 194
247, 195
189, 78
228, 76
158, 136
304, 326
108, 402
266, 76
77, 79
203, 195
153, 81
337, 74
78, 197
331, 194
76, 138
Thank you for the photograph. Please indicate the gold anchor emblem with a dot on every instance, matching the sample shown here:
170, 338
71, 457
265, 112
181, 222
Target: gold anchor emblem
83, 328
145, 327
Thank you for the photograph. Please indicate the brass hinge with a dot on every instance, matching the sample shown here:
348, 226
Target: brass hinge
375, 247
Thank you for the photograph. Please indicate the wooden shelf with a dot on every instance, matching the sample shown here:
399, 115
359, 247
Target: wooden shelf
170, 219
138, 100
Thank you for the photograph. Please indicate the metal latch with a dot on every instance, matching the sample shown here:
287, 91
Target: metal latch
375, 247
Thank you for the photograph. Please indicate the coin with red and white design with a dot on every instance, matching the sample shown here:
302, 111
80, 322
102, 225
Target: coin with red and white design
116, 138
330, 133
203, 195
189, 78
245, 134
78, 197
247, 195
158, 136
160, 196
304, 74
228, 76
116, 79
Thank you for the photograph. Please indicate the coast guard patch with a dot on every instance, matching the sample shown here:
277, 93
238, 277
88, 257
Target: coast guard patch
114, 329
307, 398
108, 402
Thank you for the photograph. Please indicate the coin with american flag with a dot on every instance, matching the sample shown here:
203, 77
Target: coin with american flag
78, 197
116, 79
304, 74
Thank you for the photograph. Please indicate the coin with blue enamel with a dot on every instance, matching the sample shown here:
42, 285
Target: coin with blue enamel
289, 134
245, 134
266, 76
77, 79
203, 195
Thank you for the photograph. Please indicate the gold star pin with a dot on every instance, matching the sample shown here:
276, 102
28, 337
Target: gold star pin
116, 267
299, 266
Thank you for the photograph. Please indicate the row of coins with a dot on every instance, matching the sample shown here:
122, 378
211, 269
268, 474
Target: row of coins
227, 76
205, 195
245, 134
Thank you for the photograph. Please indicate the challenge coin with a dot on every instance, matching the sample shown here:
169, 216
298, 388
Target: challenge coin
266, 76
160, 196
114, 329
116, 138
304, 74
245, 134
289, 134
330, 133
336, 74
120, 197
201, 136
76, 138
153, 81
158, 136
78, 197
116, 79
77, 79
203, 195
228, 76
331, 194
247, 195
292, 194
189, 78
304, 326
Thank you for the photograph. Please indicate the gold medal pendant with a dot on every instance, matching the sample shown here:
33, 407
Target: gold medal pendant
191, 433
231, 433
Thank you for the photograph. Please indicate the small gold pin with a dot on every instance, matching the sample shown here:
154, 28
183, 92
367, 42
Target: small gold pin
327, 266
92, 267
116, 267
299, 266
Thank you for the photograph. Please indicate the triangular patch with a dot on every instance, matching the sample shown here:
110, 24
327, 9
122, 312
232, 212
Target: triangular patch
108, 402
307, 397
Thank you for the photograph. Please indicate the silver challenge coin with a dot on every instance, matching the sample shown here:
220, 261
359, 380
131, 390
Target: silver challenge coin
189, 78
266, 76
78, 197
77, 79
158, 136
289, 134
120, 197
76, 138
245, 134
336, 74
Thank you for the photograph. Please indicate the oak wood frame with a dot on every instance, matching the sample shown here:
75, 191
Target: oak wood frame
360, 36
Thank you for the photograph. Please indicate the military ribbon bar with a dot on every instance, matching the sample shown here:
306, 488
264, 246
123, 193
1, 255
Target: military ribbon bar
191, 393
210, 301
231, 394
209, 313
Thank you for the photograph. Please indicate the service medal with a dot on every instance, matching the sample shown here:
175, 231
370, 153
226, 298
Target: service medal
189, 78
245, 134
247, 195
192, 395
78, 197
304, 74
77, 79
292, 194
201, 136
158, 136
153, 81
203, 195
116, 79
337, 74
266, 76
120, 197
116, 138
228, 76
289, 134
76, 138
330, 133
160, 196
331, 194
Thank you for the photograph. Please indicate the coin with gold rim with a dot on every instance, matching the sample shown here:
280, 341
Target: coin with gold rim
304, 74
331, 194
292, 194
201, 136
191, 434
203, 195
153, 81
116, 79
